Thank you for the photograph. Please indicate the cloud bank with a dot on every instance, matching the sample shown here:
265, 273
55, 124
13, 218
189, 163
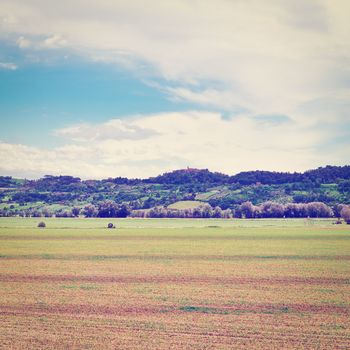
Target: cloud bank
144, 146
269, 56
279, 72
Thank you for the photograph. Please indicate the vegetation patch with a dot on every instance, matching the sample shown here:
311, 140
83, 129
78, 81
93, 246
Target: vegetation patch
184, 193
204, 310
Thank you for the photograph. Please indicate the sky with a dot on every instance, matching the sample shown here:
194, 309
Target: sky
101, 88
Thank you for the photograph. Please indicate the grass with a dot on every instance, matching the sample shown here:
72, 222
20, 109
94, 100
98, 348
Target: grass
204, 309
186, 205
204, 196
99, 223
174, 283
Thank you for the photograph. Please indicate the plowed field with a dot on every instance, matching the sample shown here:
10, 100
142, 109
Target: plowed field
260, 285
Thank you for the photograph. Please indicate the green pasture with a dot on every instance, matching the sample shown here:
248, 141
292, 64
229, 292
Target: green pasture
220, 239
96, 223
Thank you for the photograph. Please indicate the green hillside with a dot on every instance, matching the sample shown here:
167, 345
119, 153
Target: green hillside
317, 192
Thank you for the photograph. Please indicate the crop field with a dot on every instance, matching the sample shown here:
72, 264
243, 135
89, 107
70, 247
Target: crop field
174, 284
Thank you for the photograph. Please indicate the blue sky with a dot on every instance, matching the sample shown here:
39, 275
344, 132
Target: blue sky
99, 88
38, 97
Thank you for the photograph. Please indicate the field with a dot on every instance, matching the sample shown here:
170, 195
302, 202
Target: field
185, 205
174, 284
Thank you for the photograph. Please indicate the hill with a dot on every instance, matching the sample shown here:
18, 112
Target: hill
59, 194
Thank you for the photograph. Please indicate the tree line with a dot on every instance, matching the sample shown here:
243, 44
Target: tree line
192, 176
246, 210
109, 209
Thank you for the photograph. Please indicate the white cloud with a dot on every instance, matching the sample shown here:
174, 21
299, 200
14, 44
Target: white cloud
223, 99
23, 43
113, 129
54, 42
176, 140
51, 42
255, 59
270, 55
8, 66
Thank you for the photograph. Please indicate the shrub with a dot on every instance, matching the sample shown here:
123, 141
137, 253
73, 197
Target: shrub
41, 224
90, 211
345, 214
75, 211
110, 225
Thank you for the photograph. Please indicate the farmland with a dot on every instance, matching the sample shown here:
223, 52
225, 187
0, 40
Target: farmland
174, 284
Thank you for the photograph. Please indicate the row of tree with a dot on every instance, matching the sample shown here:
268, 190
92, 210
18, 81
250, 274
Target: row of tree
104, 209
245, 210
291, 210
203, 211
108, 208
